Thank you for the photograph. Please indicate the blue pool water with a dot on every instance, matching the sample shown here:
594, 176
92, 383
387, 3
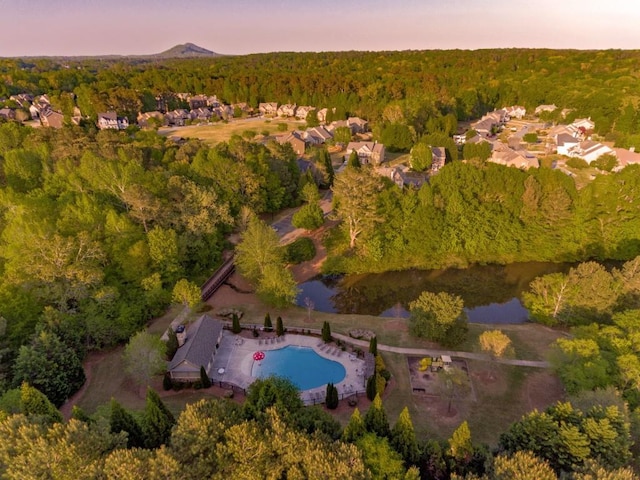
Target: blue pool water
302, 365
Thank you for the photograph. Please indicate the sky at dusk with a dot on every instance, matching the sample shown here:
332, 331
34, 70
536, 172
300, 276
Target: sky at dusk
130, 27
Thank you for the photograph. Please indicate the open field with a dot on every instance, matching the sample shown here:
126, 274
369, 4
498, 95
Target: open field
222, 132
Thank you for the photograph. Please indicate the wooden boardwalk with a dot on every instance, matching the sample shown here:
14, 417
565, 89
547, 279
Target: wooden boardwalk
216, 280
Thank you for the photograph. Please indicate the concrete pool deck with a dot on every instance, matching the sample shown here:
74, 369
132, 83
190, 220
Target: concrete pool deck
235, 356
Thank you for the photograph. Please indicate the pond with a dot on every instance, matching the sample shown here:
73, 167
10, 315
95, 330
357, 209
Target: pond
491, 293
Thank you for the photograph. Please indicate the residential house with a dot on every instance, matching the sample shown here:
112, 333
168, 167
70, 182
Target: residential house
545, 108
223, 111
322, 115
515, 111
357, 125
197, 101
565, 143
268, 108
201, 114
626, 157
503, 155
438, 158
287, 110
199, 350
143, 118
177, 118
213, 101
487, 125
295, 139
22, 99
585, 123
317, 135
402, 177
34, 111
590, 151
7, 113
51, 118
303, 111
111, 121
368, 152
337, 124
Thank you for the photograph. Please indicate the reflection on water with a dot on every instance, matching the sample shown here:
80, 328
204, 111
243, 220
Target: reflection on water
491, 293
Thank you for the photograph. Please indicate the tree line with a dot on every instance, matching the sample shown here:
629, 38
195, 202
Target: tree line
481, 213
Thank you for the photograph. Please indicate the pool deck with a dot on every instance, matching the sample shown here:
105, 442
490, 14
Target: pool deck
235, 355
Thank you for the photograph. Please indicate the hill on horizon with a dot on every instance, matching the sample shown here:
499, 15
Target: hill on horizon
185, 50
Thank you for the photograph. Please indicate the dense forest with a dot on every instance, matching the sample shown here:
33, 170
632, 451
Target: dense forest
97, 227
414, 88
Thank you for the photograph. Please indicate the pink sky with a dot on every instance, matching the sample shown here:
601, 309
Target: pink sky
90, 27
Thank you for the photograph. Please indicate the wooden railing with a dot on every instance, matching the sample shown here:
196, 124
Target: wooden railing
216, 280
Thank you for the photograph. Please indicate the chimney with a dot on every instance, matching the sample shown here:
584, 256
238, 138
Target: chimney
181, 334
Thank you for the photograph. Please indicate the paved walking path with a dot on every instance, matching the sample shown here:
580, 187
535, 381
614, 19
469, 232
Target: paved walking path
435, 353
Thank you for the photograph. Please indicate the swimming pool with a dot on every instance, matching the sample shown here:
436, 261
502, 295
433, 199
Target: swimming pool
302, 365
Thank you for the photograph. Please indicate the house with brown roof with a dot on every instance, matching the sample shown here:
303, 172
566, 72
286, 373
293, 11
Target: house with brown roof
201, 114
503, 155
51, 118
545, 108
143, 118
295, 139
268, 108
111, 121
317, 135
200, 347
369, 153
626, 157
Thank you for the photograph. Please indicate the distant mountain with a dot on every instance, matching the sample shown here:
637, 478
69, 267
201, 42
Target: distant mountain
186, 50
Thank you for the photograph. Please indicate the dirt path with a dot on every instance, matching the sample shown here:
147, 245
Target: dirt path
92, 359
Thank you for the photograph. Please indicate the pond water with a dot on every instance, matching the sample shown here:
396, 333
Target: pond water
491, 293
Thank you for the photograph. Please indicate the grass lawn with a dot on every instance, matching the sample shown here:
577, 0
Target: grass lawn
222, 132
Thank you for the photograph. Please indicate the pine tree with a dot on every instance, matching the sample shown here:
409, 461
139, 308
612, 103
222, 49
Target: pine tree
371, 387
375, 420
331, 399
235, 324
205, 381
326, 332
267, 323
157, 421
325, 159
122, 421
80, 414
403, 437
279, 327
354, 160
460, 445
373, 346
355, 428
34, 403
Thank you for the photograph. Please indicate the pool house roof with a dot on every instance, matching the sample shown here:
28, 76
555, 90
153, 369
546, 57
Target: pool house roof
202, 337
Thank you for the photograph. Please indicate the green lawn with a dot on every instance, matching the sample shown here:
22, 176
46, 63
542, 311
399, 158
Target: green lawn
222, 132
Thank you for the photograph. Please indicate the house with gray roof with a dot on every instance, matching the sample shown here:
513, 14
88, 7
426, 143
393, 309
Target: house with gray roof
199, 350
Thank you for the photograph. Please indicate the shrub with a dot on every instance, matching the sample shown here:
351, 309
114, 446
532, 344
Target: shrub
282, 127
167, 384
301, 250
577, 163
